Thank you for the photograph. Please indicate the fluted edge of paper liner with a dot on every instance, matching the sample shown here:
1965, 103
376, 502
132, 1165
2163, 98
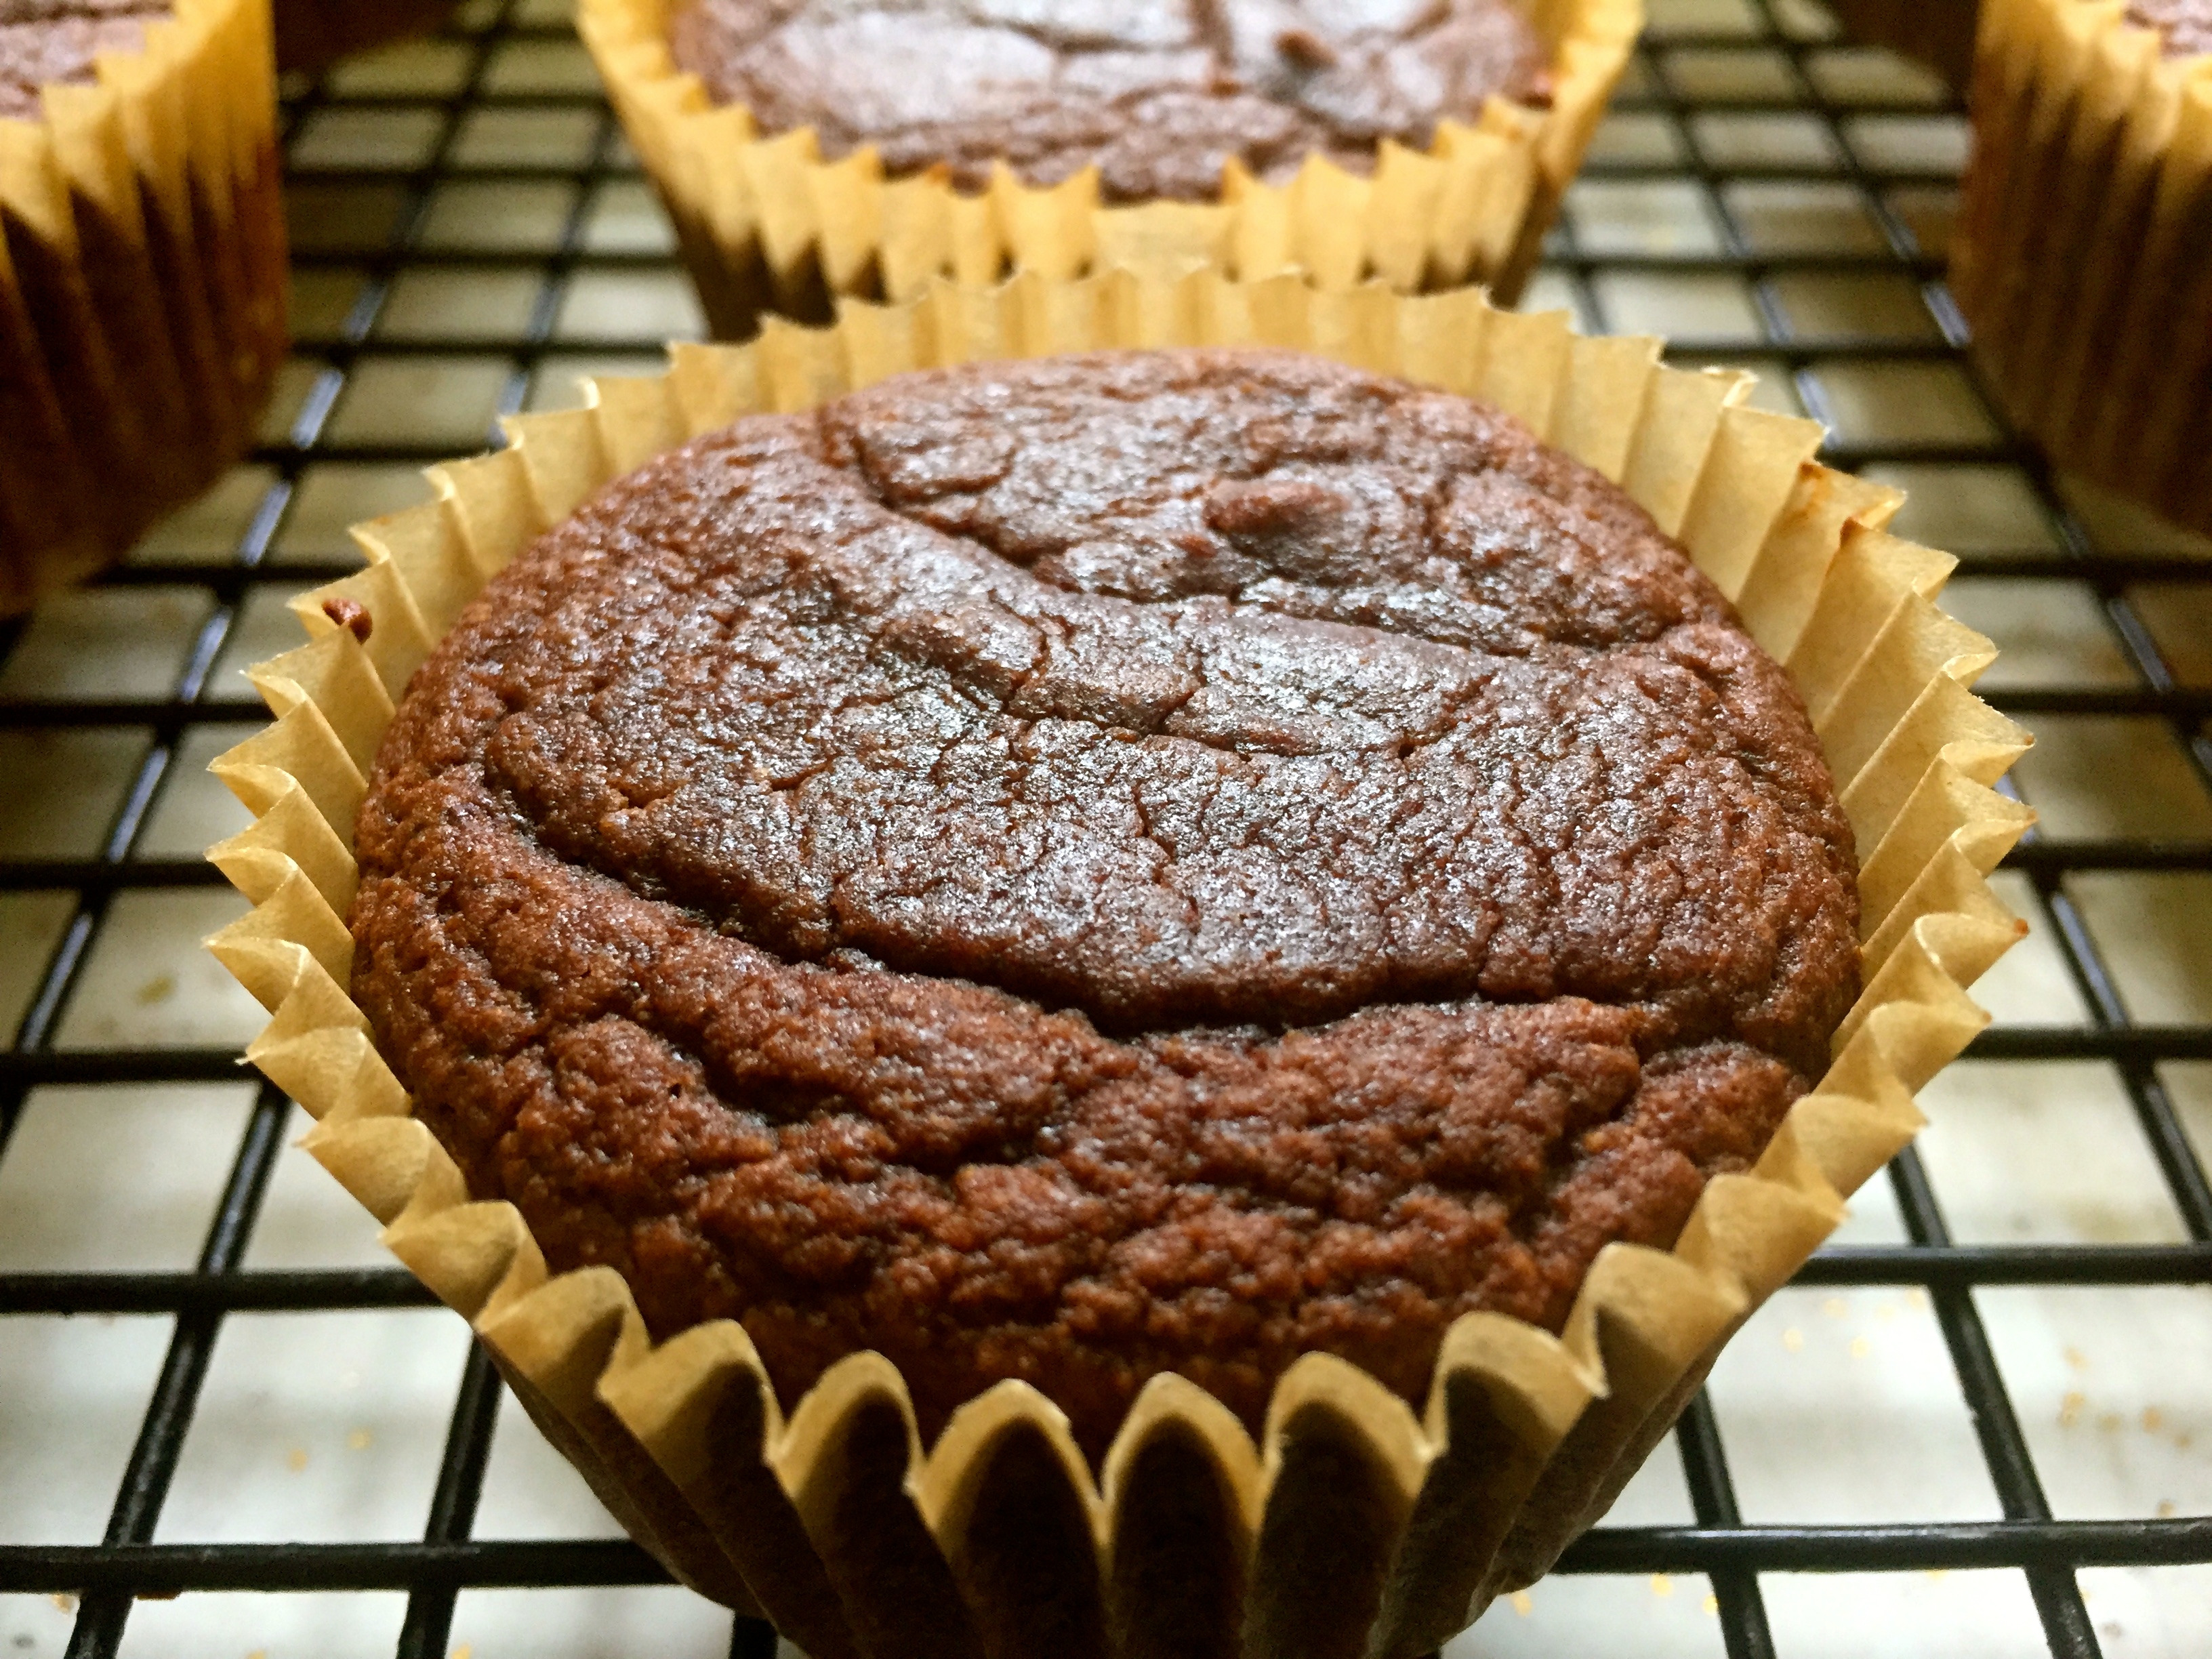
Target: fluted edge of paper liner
2084, 232
765, 225
1352, 1512
138, 358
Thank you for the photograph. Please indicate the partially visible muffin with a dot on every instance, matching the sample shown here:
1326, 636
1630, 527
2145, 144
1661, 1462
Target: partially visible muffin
53, 42
1073, 869
1159, 96
2183, 26
809, 151
2081, 253
1940, 35
141, 317
311, 33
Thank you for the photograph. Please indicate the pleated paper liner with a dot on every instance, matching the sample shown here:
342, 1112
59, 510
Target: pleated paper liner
766, 226
2082, 256
311, 34
142, 290
1937, 32
1357, 1524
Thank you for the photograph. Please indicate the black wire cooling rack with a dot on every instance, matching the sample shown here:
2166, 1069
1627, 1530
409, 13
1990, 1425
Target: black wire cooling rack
366, 217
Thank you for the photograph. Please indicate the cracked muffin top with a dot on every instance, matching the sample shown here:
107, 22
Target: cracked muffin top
1158, 94
1077, 868
46, 43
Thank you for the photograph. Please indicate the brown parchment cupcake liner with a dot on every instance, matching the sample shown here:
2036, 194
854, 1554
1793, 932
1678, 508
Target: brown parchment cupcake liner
2082, 256
311, 34
142, 290
1939, 33
1356, 1524
765, 225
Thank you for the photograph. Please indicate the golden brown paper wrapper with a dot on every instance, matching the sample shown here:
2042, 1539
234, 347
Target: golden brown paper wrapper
142, 290
2083, 252
766, 226
311, 34
1937, 32
1356, 1524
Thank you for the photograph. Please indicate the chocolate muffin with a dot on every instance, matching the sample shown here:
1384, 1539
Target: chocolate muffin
141, 292
54, 524
2183, 26
1158, 94
2083, 233
311, 34
1941, 36
1077, 868
53, 42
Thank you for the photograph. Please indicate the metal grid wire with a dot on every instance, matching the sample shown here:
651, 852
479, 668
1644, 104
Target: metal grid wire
1770, 41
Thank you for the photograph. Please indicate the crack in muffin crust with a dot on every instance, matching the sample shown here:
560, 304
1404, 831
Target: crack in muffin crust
1077, 868
1159, 94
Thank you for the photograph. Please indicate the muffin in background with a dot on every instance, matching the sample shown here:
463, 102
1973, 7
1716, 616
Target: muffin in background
311, 34
1937, 32
141, 277
811, 151
1156, 103
2082, 255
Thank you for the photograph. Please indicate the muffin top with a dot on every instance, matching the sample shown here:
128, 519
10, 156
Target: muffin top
1075, 868
53, 42
2184, 26
1158, 94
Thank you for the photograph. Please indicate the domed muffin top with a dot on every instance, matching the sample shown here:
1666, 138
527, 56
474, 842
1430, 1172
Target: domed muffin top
1157, 93
1073, 868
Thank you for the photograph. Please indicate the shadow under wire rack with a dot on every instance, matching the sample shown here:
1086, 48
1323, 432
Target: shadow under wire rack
470, 233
